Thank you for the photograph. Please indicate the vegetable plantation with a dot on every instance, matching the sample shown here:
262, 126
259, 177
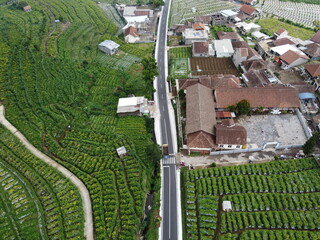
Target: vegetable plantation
62, 94
275, 200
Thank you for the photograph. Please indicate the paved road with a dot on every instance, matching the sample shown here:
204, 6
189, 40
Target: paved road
169, 194
86, 201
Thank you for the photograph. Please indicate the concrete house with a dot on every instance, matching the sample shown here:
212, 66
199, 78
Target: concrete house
291, 59
244, 53
229, 135
313, 71
109, 47
247, 12
316, 37
233, 36
223, 48
248, 27
191, 35
136, 106
131, 34
200, 49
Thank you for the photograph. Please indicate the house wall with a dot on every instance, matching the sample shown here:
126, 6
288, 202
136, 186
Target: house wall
237, 58
295, 63
229, 146
221, 54
107, 50
191, 40
200, 55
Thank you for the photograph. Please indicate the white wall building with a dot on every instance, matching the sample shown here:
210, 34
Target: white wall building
223, 48
109, 47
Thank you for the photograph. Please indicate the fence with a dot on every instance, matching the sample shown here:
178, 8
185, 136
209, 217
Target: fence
236, 151
288, 147
303, 124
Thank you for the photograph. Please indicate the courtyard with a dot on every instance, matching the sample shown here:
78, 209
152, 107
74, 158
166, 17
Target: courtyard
285, 129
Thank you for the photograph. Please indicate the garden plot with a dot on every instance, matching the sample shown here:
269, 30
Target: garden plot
275, 200
210, 66
297, 12
182, 9
284, 129
179, 67
121, 61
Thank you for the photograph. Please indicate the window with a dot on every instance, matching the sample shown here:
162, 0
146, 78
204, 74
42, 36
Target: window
238, 146
221, 145
229, 146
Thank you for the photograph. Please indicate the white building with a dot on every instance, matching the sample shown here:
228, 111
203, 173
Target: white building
137, 106
109, 47
248, 27
131, 34
223, 48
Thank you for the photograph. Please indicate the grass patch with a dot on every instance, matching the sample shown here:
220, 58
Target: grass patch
273, 24
180, 52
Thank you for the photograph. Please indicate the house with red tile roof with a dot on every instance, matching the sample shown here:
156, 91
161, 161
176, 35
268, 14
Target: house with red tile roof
316, 37
131, 34
292, 58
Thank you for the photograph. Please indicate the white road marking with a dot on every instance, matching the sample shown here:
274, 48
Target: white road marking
165, 128
161, 85
162, 96
169, 202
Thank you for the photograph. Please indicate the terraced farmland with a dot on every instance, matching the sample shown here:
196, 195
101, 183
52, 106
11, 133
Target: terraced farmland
276, 200
60, 94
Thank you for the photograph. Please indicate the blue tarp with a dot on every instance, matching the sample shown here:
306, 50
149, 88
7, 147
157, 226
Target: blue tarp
306, 95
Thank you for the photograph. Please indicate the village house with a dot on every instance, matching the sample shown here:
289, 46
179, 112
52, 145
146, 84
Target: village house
233, 36
313, 71
259, 78
109, 47
247, 12
282, 41
243, 53
280, 33
223, 48
248, 27
259, 35
278, 98
136, 106
200, 118
292, 58
131, 34
312, 51
316, 37
225, 17
202, 49
230, 135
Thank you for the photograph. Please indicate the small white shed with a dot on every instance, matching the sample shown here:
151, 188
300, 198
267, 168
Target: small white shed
121, 151
226, 206
109, 47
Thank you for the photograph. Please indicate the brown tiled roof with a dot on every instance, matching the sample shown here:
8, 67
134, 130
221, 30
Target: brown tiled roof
254, 64
200, 109
252, 53
243, 52
247, 9
200, 139
198, 26
283, 41
229, 133
180, 28
313, 69
227, 35
256, 78
269, 97
212, 81
132, 31
223, 115
303, 87
316, 37
203, 19
240, 44
280, 31
313, 50
292, 56
200, 47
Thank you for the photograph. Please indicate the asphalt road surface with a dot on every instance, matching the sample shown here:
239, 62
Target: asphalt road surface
169, 195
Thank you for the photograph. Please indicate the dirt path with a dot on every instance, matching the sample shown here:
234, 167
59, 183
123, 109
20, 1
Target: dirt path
86, 201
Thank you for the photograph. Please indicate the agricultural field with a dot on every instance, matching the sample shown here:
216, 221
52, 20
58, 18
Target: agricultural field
181, 10
211, 66
273, 24
297, 11
113, 15
180, 52
62, 94
275, 200
127, 2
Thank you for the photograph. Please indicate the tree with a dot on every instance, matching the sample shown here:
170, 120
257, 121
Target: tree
243, 107
310, 144
154, 154
232, 108
150, 69
157, 3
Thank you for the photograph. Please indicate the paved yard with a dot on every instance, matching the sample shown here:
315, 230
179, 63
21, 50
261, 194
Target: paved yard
284, 129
